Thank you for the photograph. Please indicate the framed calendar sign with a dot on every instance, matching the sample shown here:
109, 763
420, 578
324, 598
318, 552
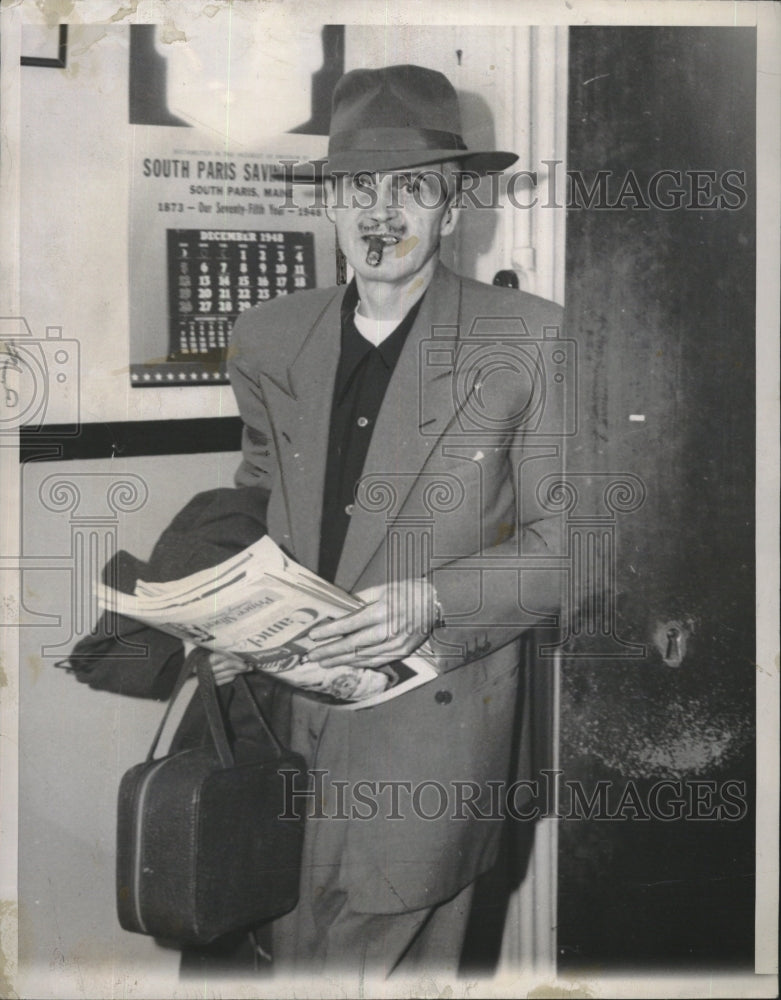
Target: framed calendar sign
213, 233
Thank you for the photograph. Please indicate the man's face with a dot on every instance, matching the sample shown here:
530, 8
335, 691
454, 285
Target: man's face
409, 211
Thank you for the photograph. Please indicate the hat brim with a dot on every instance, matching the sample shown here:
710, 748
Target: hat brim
382, 161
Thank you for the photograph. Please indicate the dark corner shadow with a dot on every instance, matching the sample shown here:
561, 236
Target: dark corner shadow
485, 930
324, 81
148, 78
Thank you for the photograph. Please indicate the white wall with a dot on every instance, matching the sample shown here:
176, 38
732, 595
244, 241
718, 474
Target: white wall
74, 235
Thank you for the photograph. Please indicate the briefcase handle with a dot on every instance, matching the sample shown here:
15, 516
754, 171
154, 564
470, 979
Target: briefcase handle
208, 689
184, 673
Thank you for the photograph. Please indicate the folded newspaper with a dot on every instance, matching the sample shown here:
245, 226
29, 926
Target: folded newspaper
260, 605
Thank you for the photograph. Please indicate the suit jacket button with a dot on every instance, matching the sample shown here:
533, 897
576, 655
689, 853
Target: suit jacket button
443, 697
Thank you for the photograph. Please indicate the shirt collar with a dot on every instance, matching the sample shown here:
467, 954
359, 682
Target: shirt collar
355, 346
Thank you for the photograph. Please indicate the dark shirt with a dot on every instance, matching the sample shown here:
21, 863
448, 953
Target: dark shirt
362, 377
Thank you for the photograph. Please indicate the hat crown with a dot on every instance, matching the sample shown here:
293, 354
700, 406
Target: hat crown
403, 96
399, 118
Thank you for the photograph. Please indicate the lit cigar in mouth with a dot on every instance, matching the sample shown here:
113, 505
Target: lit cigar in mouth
375, 251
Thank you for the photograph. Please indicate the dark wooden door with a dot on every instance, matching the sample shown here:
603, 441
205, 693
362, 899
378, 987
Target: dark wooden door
658, 682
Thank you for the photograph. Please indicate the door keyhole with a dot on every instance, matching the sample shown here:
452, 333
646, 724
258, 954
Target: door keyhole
672, 638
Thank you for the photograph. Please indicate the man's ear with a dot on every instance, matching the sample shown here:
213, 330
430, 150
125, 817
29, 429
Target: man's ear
451, 216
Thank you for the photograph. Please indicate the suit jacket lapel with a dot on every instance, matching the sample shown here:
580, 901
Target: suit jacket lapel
301, 404
417, 409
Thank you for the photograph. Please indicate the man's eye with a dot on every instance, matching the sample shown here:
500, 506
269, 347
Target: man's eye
362, 182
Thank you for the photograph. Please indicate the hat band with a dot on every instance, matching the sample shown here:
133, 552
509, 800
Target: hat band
394, 140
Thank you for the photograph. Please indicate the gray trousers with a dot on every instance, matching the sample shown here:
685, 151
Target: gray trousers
325, 935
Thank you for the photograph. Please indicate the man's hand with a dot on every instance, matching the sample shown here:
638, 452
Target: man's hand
226, 667
396, 619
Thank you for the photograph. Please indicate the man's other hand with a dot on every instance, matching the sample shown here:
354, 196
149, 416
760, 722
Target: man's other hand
226, 667
395, 620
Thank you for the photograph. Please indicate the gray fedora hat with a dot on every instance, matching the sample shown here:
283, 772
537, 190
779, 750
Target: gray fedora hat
397, 118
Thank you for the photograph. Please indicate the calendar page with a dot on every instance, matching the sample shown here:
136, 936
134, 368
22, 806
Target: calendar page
213, 275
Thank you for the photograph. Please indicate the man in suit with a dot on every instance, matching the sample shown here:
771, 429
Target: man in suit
403, 430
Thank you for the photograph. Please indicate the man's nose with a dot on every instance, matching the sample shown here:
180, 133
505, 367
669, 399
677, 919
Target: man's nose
387, 205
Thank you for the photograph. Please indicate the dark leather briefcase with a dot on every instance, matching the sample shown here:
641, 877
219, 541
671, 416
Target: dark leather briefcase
208, 839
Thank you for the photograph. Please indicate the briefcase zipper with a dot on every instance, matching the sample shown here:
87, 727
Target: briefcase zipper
142, 795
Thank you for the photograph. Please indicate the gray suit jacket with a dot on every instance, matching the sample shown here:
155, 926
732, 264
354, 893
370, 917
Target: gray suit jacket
457, 481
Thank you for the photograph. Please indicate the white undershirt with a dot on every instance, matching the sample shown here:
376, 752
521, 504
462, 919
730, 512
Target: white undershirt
375, 330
